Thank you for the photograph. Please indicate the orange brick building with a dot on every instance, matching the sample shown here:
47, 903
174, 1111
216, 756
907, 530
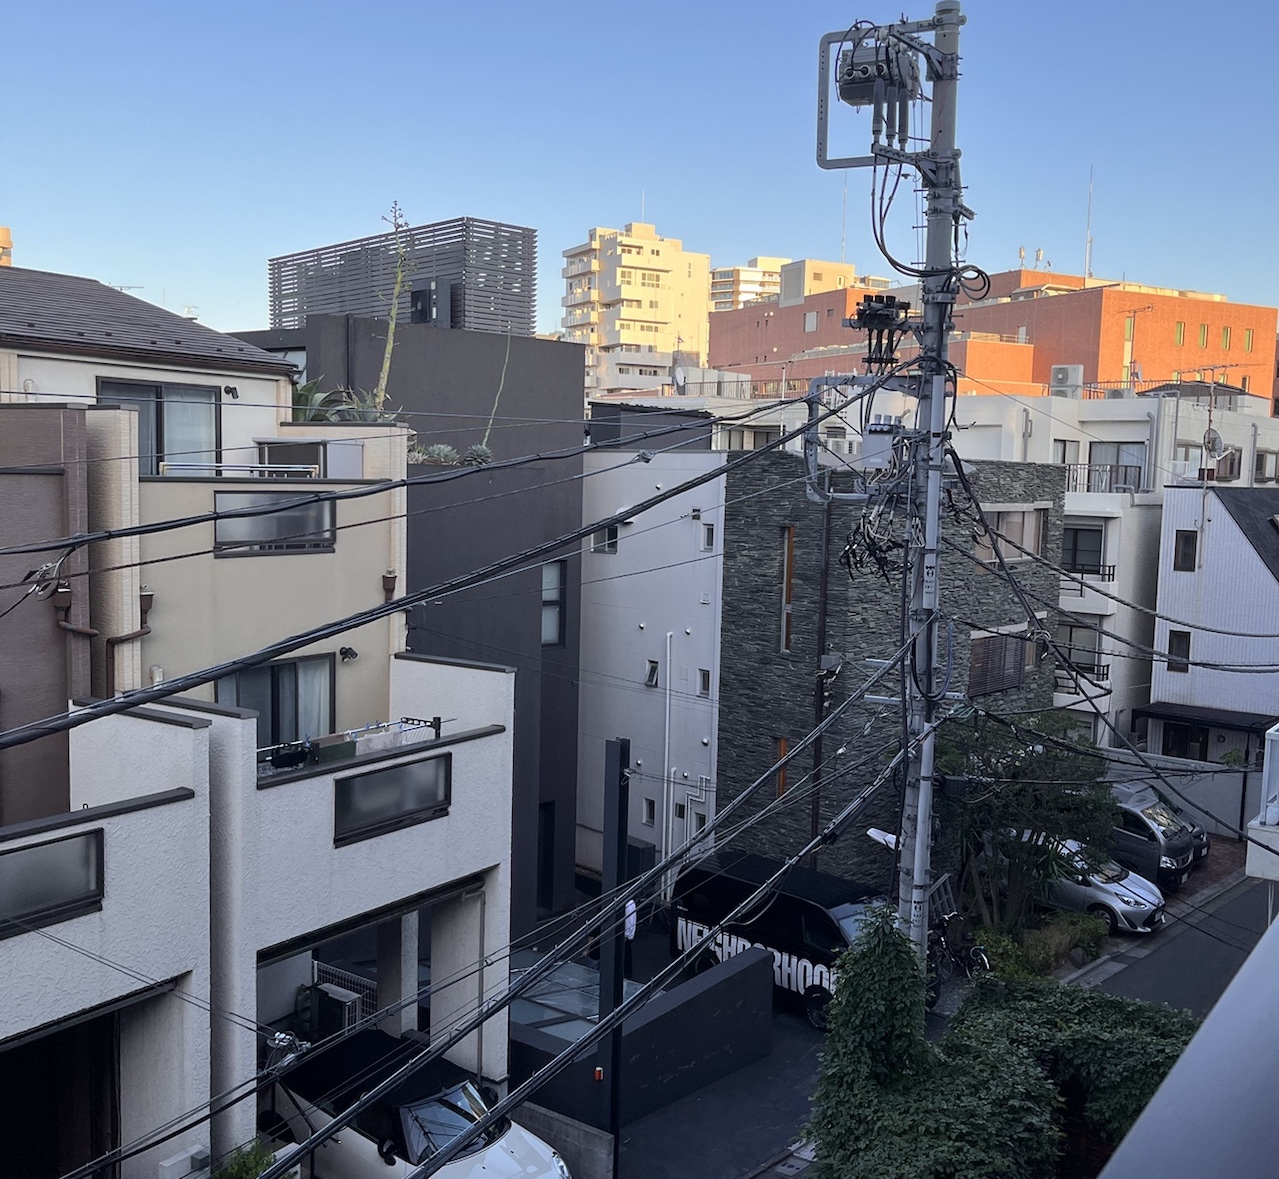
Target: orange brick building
1030, 321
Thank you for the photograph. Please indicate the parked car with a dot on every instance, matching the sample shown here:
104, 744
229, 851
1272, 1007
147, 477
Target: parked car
393, 1136
806, 925
1127, 902
1200, 840
1151, 839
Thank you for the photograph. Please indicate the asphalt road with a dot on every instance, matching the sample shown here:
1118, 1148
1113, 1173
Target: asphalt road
1191, 968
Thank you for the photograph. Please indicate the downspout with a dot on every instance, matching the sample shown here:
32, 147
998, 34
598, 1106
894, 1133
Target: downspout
62, 604
145, 599
668, 780
1153, 459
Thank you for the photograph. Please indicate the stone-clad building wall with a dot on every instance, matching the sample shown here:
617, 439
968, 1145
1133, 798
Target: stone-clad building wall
767, 694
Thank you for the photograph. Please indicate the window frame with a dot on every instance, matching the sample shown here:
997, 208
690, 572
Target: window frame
604, 540
559, 602
114, 397
1185, 550
274, 733
996, 663
1178, 662
76, 906
326, 537
704, 682
395, 821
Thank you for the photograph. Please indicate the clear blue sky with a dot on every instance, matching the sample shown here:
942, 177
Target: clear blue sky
178, 147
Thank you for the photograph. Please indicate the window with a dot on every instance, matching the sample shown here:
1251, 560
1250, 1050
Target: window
652, 304
679, 810
648, 814
1225, 339
1019, 530
1065, 450
699, 820
1128, 325
605, 540
649, 279
810, 321
626, 276
293, 699
379, 801
651, 674
1265, 466
1243, 384
1179, 333
43, 883
1179, 650
1203, 335
300, 528
703, 681
708, 538
176, 423
1078, 646
783, 747
1185, 740
788, 584
997, 663
1247, 339
1228, 466
1183, 550
1081, 549
554, 583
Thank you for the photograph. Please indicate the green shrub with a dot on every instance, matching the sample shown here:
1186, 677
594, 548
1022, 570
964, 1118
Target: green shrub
247, 1162
1036, 952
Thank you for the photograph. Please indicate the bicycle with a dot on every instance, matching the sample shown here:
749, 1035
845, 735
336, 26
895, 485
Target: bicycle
952, 946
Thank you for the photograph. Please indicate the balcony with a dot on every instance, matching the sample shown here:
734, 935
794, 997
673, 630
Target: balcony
575, 298
1104, 477
578, 266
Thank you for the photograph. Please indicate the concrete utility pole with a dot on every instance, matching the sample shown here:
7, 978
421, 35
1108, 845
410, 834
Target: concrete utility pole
878, 67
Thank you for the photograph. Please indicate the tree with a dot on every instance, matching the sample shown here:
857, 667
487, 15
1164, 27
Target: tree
1031, 1081
1029, 785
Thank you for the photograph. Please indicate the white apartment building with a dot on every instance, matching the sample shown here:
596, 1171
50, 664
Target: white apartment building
639, 302
735, 286
651, 601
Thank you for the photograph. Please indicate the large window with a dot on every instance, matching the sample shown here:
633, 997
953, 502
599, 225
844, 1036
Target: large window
1081, 549
554, 582
293, 698
177, 424
384, 800
300, 528
1022, 530
46, 882
997, 663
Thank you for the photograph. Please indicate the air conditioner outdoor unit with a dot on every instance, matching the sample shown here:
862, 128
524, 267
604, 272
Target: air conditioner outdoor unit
1066, 380
339, 1009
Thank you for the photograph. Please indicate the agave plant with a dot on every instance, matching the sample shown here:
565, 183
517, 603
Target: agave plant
335, 405
438, 454
477, 455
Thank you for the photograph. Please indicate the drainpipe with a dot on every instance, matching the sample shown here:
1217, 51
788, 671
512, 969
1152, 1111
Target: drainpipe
62, 604
145, 599
668, 785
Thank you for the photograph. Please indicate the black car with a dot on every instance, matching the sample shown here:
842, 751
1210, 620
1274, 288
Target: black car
806, 923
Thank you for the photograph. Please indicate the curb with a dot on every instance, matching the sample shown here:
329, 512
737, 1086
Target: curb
1189, 907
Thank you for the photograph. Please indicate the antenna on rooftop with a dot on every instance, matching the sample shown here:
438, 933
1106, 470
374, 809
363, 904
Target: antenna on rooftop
1088, 231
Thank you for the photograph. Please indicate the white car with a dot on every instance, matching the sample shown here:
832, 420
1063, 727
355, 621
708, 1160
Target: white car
393, 1136
1127, 902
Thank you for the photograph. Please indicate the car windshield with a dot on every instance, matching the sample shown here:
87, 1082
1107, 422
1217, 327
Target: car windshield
1162, 819
431, 1125
1108, 872
850, 918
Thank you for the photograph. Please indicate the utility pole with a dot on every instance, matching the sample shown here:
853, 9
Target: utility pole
879, 67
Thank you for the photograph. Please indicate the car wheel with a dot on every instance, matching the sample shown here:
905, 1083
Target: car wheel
1108, 916
816, 1004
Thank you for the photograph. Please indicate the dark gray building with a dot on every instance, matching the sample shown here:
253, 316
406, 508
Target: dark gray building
464, 273
521, 396
775, 630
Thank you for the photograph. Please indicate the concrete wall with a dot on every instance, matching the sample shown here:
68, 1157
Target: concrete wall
675, 1044
43, 490
660, 580
106, 766
587, 1151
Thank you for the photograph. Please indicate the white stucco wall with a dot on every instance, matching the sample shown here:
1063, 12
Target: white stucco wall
466, 697
1230, 589
659, 581
115, 758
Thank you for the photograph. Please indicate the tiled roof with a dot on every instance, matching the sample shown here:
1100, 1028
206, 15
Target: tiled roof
47, 312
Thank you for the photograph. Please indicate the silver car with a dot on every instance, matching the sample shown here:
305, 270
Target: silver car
1127, 902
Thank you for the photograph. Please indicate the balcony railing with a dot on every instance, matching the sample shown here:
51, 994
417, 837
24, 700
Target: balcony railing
1067, 678
1104, 477
1094, 572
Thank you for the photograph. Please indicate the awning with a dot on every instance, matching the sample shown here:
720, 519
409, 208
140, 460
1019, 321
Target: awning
1219, 718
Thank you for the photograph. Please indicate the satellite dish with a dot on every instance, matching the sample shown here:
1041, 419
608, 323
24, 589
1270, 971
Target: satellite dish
1212, 443
681, 379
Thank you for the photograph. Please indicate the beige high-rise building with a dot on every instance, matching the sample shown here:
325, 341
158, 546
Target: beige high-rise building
640, 303
735, 286
810, 276
6, 246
